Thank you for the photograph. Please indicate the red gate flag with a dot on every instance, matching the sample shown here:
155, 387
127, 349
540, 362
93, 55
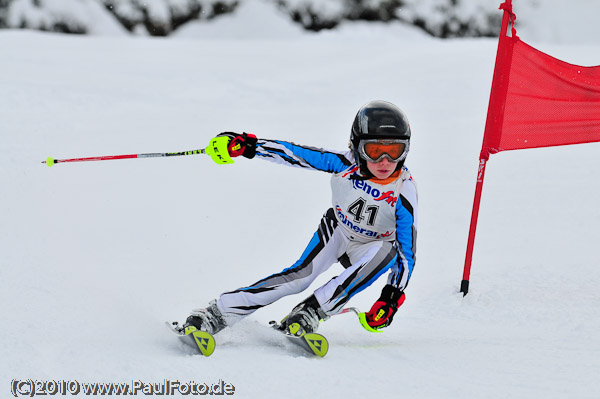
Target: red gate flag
536, 101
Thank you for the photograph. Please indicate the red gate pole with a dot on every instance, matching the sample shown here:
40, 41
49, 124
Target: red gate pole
493, 128
464, 285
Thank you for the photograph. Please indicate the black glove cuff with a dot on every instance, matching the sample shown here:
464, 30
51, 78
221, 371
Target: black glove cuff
390, 294
250, 141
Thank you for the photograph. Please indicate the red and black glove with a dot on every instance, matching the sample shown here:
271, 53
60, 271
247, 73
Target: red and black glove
240, 144
382, 312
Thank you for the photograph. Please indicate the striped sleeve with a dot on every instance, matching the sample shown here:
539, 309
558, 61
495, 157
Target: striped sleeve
406, 235
286, 153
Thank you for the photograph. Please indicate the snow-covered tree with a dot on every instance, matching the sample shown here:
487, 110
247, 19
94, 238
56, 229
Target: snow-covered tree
160, 18
156, 17
442, 18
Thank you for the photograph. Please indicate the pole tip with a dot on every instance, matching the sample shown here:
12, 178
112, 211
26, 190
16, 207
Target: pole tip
49, 161
464, 287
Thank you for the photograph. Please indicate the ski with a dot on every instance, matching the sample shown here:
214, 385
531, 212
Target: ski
313, 343
204, 343
201, 341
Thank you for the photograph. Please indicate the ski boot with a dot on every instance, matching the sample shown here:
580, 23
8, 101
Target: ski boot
304, 318
209, 320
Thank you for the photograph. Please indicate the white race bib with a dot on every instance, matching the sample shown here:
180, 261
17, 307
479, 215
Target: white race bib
366, 209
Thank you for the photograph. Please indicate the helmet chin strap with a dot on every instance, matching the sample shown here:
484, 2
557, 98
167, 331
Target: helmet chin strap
365, 174
399, 166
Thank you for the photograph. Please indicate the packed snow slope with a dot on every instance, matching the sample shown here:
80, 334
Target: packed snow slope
96, 256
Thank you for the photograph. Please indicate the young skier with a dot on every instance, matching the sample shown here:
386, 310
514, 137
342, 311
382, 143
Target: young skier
371, 228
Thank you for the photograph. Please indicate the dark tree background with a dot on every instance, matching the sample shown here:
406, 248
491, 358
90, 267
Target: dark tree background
440, 18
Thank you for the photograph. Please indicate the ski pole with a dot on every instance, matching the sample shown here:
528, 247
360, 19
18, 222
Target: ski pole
362, 318
217, 149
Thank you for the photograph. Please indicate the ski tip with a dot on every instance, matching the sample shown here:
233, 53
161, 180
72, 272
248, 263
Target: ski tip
201, 340
317, 343
204, 341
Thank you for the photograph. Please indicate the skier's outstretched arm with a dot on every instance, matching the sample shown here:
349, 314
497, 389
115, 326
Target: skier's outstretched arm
286, 153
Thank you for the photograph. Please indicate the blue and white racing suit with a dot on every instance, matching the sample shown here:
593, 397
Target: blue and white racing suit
371, 229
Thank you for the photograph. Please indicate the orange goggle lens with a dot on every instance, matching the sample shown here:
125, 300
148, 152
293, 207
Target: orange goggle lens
375, 150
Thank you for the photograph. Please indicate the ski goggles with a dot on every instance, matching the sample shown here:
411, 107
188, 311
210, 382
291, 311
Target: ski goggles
376, 149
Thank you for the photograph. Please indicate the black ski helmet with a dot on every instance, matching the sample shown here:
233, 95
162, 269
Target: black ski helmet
378, 120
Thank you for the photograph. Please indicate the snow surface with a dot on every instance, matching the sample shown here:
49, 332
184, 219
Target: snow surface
96, 256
